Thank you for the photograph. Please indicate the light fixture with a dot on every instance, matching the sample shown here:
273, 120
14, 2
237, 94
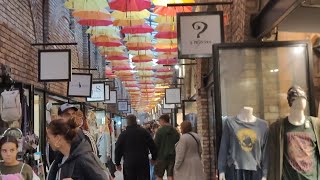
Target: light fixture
176, 66
298, 50
119, 123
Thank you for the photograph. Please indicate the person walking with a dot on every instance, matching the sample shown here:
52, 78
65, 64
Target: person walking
166, 138
134, 145
75, 161
188, 165
11, 168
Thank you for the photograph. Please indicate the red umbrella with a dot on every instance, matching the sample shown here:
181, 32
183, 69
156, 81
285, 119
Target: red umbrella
166, 35
121, 68
129, 5
129, 79
167, 50
109, 44
163, 77
131, 85
171, 11
93, 22
168, 61
140, 48
110, 58
145, 28
141, 61
164, 70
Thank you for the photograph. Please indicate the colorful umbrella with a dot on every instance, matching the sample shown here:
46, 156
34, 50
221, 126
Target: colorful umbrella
104, 38
168, 50
166, 27
167, 56
107, 30
121, 68
145, 28
165, 45
129, 5
119, 63
141, 61
93, 22
94, 5
131, 15
165, 2
138, 38
122, 22
142, 52
97, 15
143, 57
165, 19
168, 61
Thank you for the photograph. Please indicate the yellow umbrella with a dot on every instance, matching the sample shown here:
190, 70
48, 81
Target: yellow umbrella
138, 38
142, 57
168, 41
119, 63
165, 2
142, 52
132, 15
165, 19
138, 44
125, 22
112, 53
89, 5
144, 64
96, 15
104, 38
104, 30
165, 45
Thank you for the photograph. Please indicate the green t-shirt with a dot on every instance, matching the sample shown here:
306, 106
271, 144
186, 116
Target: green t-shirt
165, 140
26, 172
301, 156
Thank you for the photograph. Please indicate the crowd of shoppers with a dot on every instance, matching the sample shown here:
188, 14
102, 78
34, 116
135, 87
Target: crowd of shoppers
145, 152
178, 157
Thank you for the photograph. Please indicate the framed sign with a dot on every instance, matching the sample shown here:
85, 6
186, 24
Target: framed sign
113, 98
54, 65
107, 92
173, 96
80, 85
168, 106
97, 93
122, 105
197, 32
166, 111
129, 109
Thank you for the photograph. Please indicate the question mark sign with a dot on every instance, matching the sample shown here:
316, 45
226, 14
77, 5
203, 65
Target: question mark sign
199, 25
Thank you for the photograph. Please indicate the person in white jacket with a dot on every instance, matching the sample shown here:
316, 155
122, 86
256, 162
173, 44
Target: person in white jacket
188, 165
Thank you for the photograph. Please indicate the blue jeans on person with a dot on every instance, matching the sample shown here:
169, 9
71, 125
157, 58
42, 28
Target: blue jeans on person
152, 175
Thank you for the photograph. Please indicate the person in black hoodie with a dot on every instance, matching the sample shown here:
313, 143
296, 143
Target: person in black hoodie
75, 161
134, 145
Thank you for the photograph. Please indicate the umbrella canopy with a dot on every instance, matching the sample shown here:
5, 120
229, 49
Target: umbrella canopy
104, 38
165, 2
92, 5
142, 52
167, 56
166, 27
125, 22
121, 68
143, 57
165, 45
120, 63
167, 50
93, 22
165, 19
168, 61
145, 28
129, 5
97, 15
138, 38
131, 15
104, 30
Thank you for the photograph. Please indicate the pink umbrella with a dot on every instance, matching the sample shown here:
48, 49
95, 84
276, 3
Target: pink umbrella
166, 35
140, 48
93, 22
145, 28
164, 70
109, 44
141, 61
131, 85
121, 68
167, 50
164, 77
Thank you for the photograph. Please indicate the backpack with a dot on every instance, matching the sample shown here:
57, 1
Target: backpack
10, 106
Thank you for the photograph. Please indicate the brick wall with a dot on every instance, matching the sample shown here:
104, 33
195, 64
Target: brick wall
21, 23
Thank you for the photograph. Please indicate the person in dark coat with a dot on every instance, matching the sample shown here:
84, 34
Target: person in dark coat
75, 161
134, 145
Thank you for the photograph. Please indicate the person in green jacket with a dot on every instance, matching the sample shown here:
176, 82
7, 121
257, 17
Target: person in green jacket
166, 139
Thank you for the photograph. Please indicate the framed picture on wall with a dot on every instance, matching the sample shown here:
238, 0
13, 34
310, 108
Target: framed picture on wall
54, 65
107, 92
97, 93
173, 96
129, 110
122, 105
113, 98
80, 85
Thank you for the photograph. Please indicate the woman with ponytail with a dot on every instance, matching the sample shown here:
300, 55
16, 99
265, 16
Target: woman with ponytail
78, 162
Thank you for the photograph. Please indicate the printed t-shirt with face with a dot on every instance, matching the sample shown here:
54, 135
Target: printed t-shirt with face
301, 156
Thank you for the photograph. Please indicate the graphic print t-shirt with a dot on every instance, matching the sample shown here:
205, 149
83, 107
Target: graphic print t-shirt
300, 161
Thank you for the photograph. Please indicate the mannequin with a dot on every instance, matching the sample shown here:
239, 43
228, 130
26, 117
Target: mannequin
245, 115
296, 154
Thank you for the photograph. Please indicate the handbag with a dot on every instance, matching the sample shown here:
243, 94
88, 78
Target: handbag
197, 144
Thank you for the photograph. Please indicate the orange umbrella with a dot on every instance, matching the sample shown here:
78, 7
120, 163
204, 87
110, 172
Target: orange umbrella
93, 22
142, 57
171, 11
165, 27
165, 45
103, 38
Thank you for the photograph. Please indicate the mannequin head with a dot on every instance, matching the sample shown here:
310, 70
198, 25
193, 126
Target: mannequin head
295, 93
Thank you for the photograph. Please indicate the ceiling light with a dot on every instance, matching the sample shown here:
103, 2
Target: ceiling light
176, 66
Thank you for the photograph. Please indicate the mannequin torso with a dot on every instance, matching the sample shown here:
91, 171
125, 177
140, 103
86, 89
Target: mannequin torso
245, 115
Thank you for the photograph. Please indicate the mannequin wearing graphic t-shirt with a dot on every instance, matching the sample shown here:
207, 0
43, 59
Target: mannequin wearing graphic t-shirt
295, 156
245, 115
